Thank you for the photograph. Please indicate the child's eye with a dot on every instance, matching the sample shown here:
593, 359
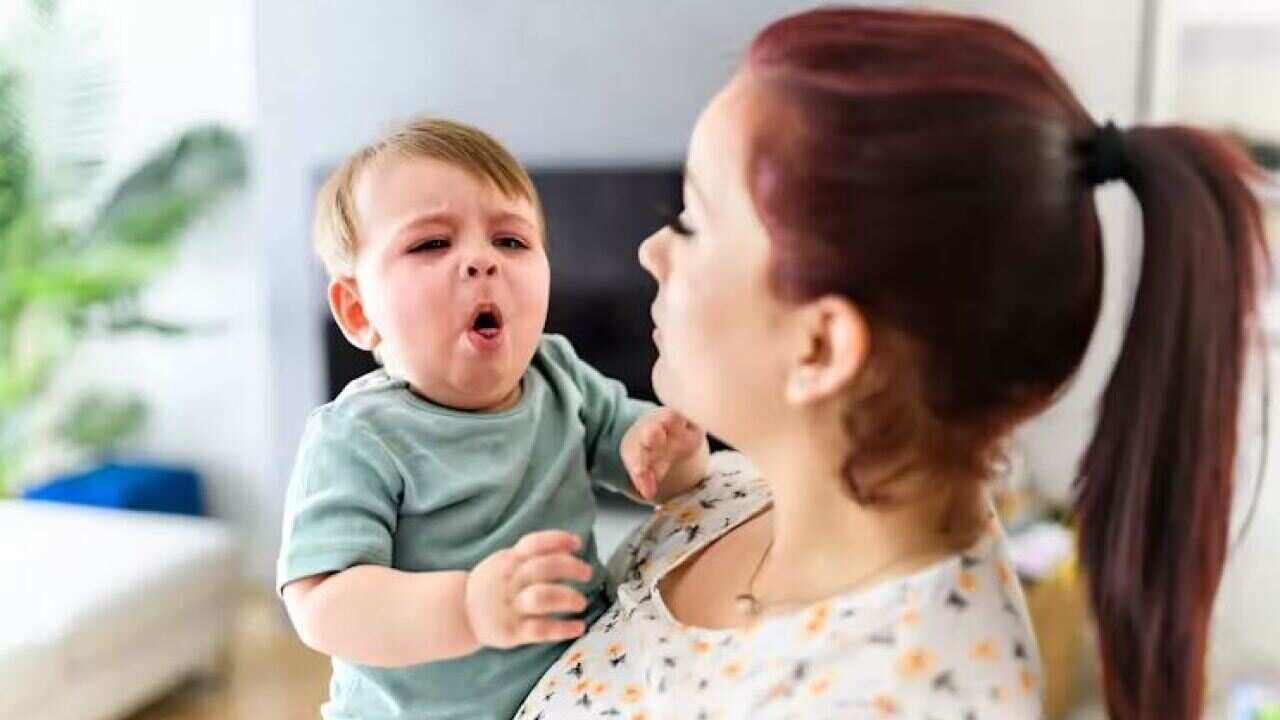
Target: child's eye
430, 244
511, 241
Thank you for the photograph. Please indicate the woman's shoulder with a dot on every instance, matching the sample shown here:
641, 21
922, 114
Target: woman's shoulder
952, 641
972, 646
731, 488
730, 492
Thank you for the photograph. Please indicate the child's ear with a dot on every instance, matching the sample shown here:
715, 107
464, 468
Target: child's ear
348, 310
831, 348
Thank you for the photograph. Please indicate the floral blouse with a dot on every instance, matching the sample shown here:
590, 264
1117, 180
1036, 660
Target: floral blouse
949, 642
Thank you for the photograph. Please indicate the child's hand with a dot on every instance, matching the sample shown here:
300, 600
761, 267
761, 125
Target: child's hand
656, 444
510, 593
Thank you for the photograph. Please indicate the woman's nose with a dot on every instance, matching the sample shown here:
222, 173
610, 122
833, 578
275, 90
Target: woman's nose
650, 255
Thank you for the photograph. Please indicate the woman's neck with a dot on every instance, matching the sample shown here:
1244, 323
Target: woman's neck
824, 540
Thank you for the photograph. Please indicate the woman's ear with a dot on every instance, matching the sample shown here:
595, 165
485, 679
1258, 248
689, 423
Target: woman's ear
348, 310
833, 341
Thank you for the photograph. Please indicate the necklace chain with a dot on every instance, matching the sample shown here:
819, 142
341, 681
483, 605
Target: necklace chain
750, 604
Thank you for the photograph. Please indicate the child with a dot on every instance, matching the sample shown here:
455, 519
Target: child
437, 504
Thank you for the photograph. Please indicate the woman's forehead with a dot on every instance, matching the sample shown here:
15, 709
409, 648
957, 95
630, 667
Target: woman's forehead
716, 154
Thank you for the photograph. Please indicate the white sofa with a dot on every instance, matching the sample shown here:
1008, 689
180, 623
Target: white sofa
102, 611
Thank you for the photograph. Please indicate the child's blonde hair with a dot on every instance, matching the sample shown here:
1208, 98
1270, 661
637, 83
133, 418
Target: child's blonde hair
335, 227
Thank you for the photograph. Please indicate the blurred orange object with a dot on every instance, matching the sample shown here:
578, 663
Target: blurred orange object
1058, 615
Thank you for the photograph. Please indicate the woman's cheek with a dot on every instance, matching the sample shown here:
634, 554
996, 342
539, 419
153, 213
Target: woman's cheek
694, 347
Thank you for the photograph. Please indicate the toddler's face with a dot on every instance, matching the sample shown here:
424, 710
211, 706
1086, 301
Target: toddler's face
453, 278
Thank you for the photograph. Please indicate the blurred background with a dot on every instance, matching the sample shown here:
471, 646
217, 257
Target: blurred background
164, 332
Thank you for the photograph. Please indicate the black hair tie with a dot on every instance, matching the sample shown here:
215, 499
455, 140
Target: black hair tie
1105, 155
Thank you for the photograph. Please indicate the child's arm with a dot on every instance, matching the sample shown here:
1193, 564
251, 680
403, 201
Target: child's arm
624, 452
665, 454
375, 615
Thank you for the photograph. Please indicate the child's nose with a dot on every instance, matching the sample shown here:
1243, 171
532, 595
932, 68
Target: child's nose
482, 266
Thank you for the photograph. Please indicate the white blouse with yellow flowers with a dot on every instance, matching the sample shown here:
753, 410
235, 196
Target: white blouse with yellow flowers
949, 642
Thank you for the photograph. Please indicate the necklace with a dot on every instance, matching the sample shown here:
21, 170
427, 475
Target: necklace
749, 604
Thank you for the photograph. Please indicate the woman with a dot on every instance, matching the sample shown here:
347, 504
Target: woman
889, 257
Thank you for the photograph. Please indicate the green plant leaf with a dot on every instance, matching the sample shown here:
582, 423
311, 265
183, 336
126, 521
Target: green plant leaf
151, 325
20, 383
95, 276
15, 163
158, 221
158, 200
101, 422
45, 8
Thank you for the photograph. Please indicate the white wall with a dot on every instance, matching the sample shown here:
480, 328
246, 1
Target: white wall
1228, 75
557, 81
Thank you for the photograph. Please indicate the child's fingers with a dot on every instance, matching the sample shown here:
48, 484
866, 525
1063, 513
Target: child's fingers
653, 436
547, 541
639, 462
646, 482
633, 458
636, 468
552, 568
659, 468
673, 422
549, 598
682, 433
542, 630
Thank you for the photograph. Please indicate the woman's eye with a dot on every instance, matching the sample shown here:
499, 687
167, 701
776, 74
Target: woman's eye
679, 226
430, 244
511, 241
676, 224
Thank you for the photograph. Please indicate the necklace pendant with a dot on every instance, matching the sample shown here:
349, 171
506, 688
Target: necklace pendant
747, 604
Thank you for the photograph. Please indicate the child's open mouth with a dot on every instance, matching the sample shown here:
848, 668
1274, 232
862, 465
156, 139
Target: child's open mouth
486, 326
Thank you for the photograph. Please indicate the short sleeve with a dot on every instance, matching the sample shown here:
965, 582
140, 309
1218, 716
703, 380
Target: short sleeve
607, 413
342, 503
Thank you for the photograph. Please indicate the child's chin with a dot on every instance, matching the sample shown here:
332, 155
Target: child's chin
488, 387
503, 400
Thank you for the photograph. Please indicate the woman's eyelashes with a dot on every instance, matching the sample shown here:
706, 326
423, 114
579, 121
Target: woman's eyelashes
675, 223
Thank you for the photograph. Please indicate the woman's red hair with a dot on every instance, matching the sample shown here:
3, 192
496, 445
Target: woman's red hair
936, 169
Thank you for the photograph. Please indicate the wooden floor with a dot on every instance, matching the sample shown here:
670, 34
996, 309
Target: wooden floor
268, 674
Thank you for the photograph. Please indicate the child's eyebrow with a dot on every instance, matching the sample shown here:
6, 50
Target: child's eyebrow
506, 217
432, 216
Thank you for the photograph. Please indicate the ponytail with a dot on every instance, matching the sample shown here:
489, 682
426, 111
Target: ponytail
1155, 489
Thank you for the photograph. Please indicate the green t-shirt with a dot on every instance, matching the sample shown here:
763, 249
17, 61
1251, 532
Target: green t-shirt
384, 477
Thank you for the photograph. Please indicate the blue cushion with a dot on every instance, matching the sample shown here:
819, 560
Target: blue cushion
128, 486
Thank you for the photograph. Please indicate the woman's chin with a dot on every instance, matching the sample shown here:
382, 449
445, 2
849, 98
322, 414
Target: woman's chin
665, 390
658, 377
